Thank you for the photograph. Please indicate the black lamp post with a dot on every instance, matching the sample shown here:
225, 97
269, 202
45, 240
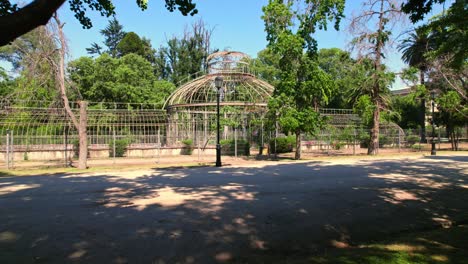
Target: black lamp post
433, 149
219, 84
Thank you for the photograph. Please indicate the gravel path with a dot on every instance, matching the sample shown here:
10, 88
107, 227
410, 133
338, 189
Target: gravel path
235, 214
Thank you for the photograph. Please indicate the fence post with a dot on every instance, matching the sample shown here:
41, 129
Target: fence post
399, 140
438, 137
235, 142
113, 144
354, 142
8, 148
12, 149
65, 140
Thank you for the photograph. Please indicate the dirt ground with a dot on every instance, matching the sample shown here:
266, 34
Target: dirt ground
239, 213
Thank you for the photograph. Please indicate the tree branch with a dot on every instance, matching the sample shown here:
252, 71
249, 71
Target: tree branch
35, 14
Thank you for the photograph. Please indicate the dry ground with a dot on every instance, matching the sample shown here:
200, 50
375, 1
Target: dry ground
248, 213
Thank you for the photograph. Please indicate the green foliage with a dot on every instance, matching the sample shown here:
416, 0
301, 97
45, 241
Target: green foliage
384, 140
6, 84
345, 73
106, 8
113, 34
282, 144
408, 109
131, 43
302, 85
187, 148
412, 139
365, 109
228, 147
266, 66
127, 79
181, 58
120, 147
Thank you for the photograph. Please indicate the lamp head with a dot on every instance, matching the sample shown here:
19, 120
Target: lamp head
218, 82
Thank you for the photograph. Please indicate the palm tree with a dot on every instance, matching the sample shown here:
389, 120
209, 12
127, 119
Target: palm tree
413, 51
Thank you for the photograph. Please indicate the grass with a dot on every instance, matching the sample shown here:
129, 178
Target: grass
44, 171
441, 246
445, 245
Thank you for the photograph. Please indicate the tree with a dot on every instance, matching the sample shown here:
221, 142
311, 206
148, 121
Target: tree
453, 114
266, 66
303, 85
372, 30
16, 21
414, 52
449, 32
113, 34
58, 66
6, 84
129, 79
346, 74
29, 55
417, 9
131, 43
183, 57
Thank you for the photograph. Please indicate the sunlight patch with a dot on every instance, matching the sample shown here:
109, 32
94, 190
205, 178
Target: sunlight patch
16, 188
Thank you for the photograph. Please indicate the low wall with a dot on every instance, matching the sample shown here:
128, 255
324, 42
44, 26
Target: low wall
57, 152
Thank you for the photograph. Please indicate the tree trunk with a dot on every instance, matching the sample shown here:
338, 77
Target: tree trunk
60, 77
82, 133
422, 117
298, 145
373, 148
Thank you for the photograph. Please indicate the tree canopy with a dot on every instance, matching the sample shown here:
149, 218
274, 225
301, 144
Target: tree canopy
16, 21
302, 85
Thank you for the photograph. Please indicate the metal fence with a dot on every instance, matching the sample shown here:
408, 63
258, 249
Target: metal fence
41, 131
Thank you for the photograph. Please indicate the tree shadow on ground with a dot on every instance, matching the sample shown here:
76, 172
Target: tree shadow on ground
299, 212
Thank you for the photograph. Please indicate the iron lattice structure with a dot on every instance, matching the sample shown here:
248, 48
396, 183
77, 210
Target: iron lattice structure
243, 99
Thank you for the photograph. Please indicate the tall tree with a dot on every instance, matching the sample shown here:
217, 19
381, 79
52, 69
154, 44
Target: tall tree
371, 30
131, 43
29, 55
113, 34
128, 79
183, 57
415, 49
58, 66
16, 21
303, 85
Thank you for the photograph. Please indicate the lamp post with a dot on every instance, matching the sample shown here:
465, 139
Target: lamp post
433, 149
219, 84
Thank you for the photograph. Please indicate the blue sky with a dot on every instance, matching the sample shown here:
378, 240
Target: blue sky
237, 26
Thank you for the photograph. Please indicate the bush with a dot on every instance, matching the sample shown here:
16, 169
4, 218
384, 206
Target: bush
283, 144
187, 149
412, 139
338, 145
364, 139
120, 147
383, 140
228, 147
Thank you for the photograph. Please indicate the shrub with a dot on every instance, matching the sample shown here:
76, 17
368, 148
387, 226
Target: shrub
283, 144
228, 147
412, 139
120, 147
187, 148
364, 139
338, 145
383, 140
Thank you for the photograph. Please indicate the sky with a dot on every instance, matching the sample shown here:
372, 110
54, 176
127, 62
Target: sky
237, 26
